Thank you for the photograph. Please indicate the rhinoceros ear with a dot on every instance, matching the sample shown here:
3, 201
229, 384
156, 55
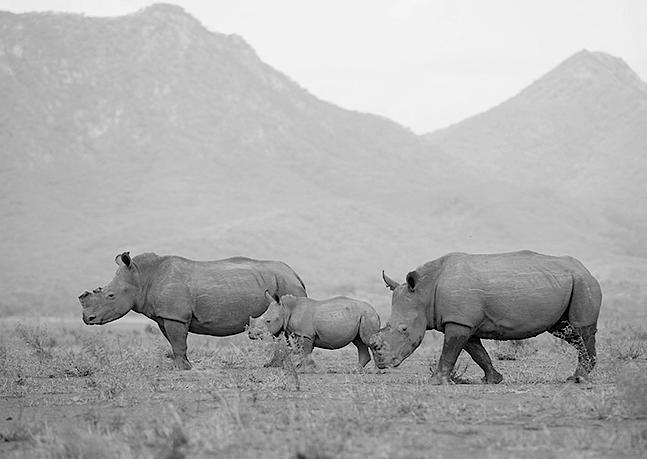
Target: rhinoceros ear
412, 280
123, 259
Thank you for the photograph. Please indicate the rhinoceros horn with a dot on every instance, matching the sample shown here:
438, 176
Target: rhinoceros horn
390, 283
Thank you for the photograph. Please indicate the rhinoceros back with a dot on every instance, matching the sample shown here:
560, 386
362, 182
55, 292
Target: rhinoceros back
512, 295
219, 296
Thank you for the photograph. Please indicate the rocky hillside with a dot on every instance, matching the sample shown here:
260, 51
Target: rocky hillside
580, 130
149, 132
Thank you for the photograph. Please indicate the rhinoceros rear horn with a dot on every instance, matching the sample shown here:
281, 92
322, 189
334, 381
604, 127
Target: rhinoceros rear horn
390, 283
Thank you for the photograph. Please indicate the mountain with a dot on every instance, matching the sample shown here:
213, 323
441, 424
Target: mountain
148, 132
579, 130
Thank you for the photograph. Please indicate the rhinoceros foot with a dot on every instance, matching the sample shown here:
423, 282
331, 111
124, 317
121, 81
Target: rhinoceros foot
579, 379
439, 380
181, 363
493, 378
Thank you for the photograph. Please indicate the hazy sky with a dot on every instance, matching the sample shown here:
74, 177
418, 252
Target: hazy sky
424, 64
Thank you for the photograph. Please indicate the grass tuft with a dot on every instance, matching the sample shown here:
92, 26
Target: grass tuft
37, 339
513, 349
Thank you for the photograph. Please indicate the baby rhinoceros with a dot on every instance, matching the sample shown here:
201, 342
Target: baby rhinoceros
327, 324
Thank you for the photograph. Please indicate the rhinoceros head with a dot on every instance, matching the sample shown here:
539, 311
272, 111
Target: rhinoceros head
406, 327
105, 304
270, 321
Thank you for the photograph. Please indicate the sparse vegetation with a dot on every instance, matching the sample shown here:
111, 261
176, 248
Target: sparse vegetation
630, 343
182, 141
513, 349
111, 392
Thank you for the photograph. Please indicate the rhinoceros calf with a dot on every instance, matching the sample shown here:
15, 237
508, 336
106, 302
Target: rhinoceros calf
328, 324
182, 296
499, 296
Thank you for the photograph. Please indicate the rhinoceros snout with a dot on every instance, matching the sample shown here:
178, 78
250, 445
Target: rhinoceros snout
254, 333
84, 294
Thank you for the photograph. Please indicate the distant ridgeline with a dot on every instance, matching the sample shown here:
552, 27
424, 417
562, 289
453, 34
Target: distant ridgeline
148, 132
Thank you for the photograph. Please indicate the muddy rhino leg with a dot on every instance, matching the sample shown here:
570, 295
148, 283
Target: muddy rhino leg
305, 343
475, 349
362, 352
588, 336
176, 334
583, 340
456, 336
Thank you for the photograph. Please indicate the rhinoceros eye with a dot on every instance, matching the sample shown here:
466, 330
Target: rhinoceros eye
111, 296
267, 321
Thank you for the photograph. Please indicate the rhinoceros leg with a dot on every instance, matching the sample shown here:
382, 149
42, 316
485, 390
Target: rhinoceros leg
456, 336
588, 336
176, 334
583, 340
475, 349
160, 324
362, 351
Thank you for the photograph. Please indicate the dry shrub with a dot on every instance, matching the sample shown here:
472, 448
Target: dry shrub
232, 357
86, 445
513, 349
37, 339
284, 355
628, 343
21, 430
627, 349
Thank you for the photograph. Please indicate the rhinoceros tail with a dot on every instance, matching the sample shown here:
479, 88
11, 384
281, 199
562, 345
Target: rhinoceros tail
369, 324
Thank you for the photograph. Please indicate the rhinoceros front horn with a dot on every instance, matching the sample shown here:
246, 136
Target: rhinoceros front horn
390, 283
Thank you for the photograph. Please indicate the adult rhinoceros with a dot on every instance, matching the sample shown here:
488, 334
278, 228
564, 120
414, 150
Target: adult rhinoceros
182, 296
499, 296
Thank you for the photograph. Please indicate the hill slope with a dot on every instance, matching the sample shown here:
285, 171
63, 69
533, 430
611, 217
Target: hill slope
579, 129
148, 132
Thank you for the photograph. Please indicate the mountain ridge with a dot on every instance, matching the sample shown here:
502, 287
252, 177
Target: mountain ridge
591, 109
149, 133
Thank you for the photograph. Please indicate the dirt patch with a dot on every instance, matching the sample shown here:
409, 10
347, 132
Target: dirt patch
73, 391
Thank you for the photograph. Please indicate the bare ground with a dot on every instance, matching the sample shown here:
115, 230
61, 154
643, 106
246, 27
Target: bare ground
72, 391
